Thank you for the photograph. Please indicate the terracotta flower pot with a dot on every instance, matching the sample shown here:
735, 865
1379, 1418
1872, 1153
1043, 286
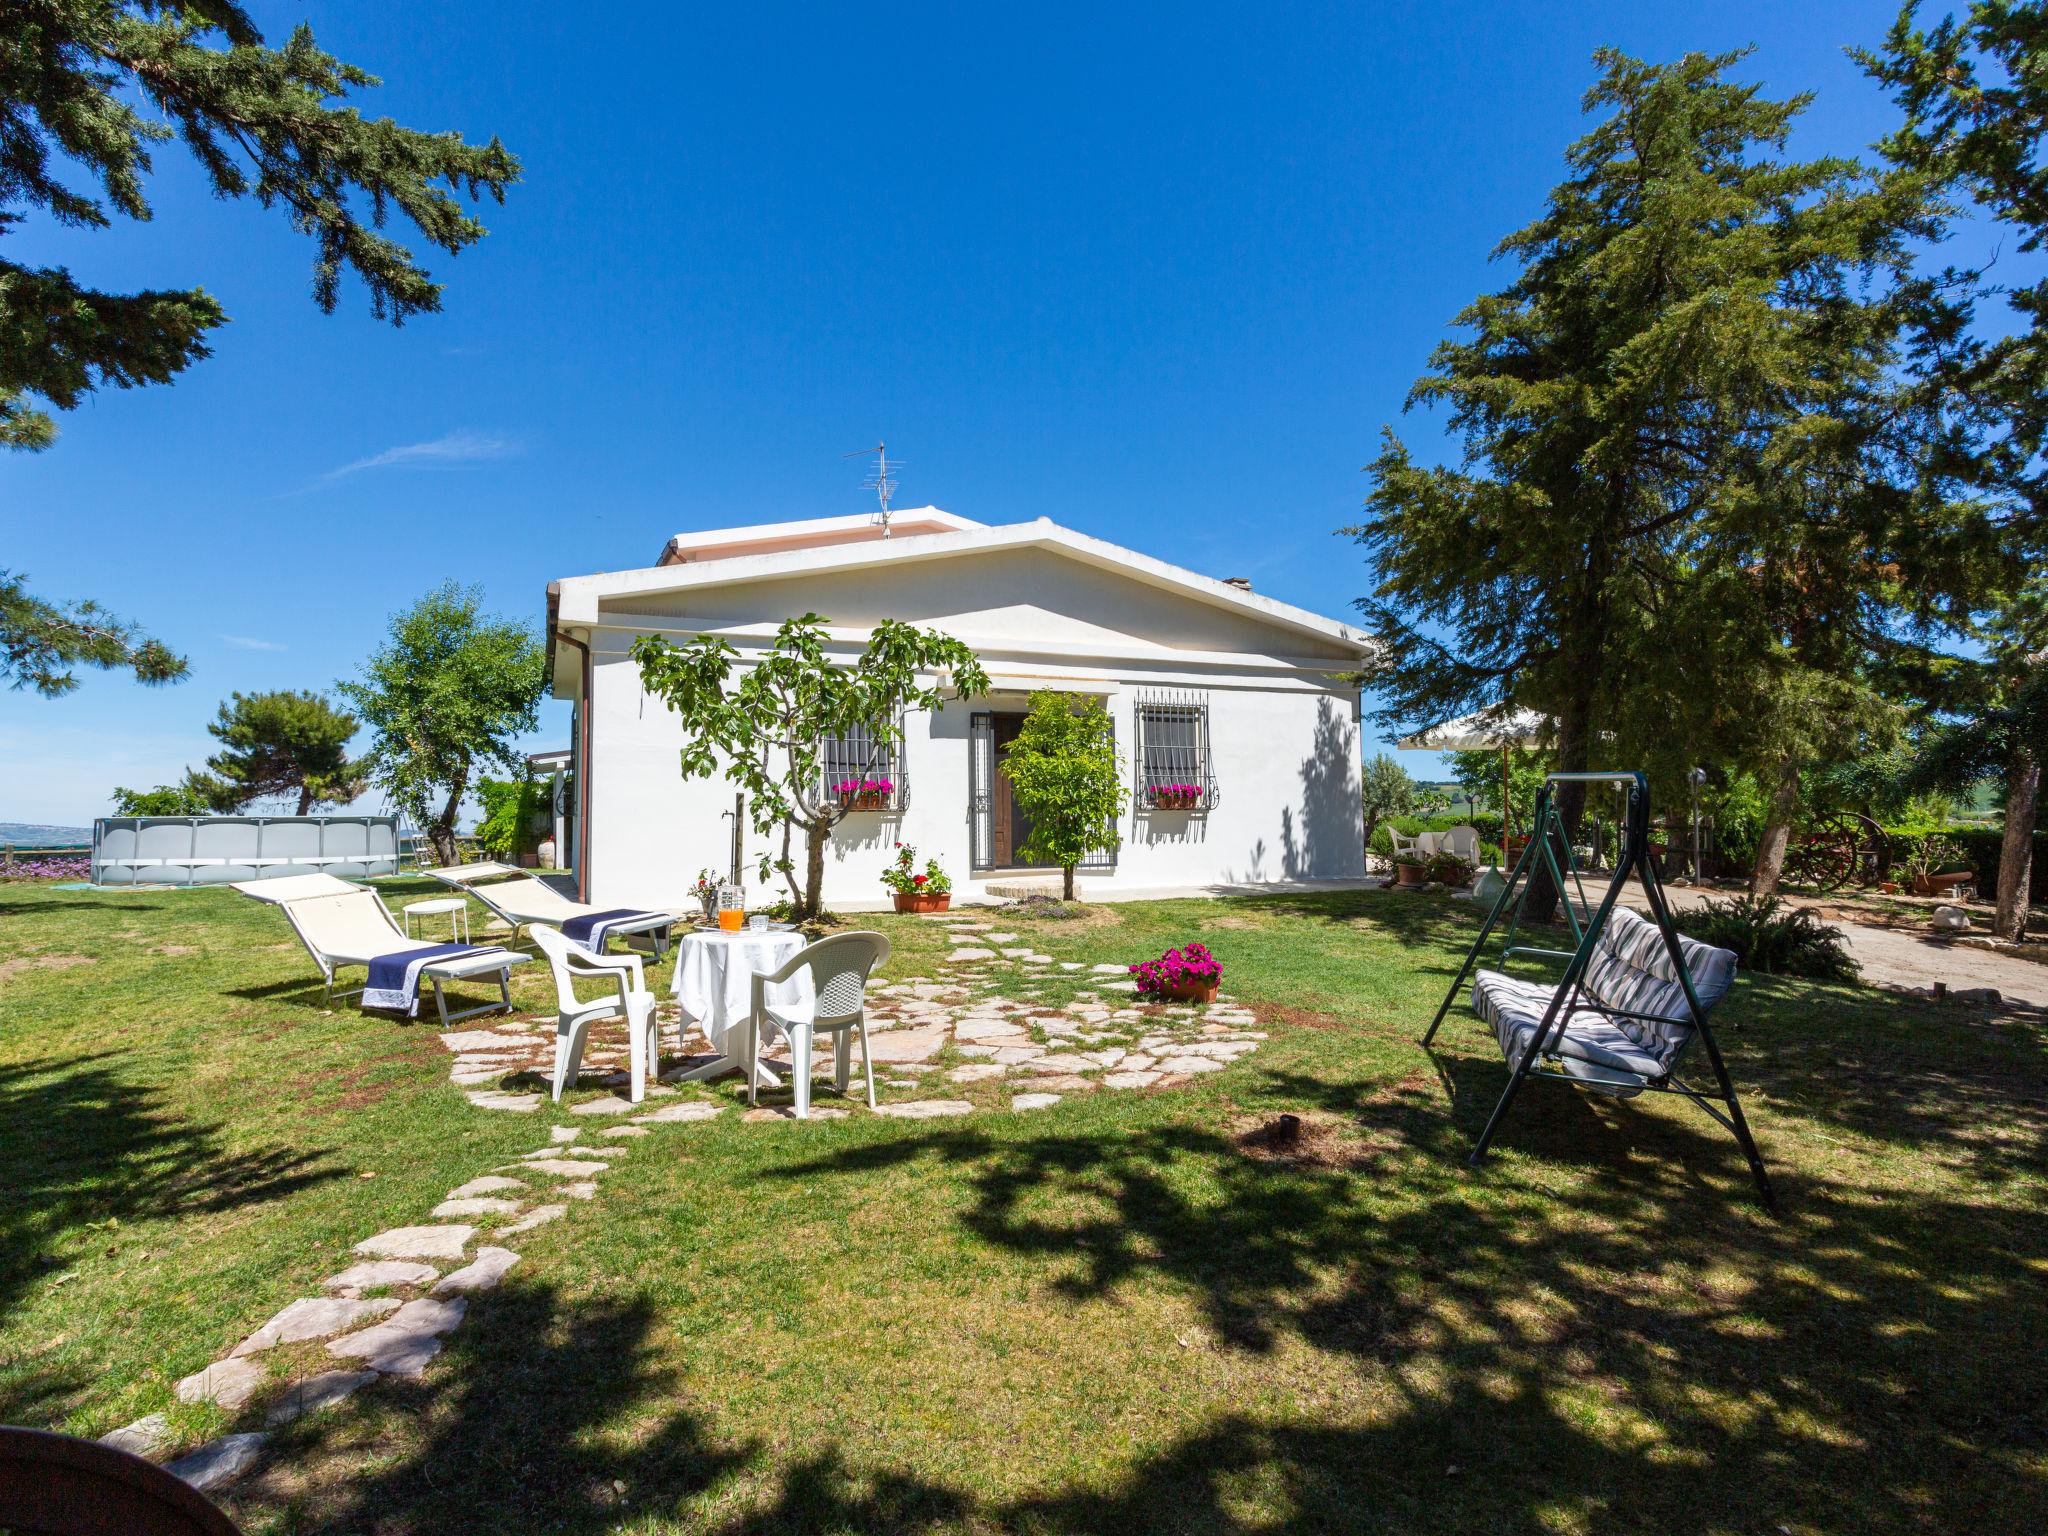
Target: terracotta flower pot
867, 802
1408, 874
1187, 992
917, 901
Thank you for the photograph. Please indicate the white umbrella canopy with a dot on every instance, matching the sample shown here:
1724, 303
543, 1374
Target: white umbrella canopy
1483, 732
1490, 729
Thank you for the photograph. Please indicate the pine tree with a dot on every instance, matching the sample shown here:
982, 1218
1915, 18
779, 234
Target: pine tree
96, 85
43, 643
1974, 94
268, 123
286, 743
1666, 435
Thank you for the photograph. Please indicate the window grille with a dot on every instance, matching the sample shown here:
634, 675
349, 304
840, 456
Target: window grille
981, 776
862, 770
1173, 764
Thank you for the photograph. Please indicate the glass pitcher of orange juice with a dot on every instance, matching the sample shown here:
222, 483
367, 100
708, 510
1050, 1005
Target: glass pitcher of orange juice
732, 908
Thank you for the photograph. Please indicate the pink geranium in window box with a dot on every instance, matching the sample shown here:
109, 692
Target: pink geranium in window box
864, 794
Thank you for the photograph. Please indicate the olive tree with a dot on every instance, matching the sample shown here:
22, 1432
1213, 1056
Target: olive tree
450, 692
1385, 789
764, 723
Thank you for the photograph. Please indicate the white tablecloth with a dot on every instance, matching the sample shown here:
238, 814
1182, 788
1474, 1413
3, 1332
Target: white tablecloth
714, 980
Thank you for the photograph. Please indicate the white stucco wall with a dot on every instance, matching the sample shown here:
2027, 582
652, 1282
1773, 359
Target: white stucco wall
1284, 736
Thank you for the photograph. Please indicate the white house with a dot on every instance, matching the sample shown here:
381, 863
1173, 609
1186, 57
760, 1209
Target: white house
1209, 683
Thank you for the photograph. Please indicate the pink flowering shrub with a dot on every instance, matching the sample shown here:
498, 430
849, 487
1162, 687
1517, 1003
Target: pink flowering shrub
75, 866
1175, 794
849, 789
1189, 966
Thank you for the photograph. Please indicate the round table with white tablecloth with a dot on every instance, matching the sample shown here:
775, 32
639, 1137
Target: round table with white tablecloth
714, 977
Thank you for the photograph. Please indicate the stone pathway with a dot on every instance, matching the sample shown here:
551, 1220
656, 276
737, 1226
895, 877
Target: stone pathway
388, 1312
966, 1026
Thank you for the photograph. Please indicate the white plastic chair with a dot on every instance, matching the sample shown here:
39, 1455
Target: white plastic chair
1403, 844
633, 1002
839, 969
1462, 841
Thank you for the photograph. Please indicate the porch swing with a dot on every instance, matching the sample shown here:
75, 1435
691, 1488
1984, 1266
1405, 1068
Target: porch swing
1635, 992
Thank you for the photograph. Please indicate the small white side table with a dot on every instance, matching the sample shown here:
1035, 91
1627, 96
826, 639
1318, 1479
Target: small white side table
457, 908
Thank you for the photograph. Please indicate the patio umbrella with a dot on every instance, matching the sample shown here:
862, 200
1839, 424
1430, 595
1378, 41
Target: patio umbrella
1484, 732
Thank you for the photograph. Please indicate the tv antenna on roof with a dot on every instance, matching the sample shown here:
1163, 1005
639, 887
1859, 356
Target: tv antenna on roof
881, 480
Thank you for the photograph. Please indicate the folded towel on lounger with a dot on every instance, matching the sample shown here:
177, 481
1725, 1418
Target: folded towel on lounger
394, 980
589, 931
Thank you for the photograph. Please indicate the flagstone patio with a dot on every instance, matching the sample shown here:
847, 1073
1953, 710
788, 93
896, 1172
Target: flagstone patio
987, 1018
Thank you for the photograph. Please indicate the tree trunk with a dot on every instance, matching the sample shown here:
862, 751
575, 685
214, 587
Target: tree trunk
1777, 835
442, 833
796, 895
305, 800
1067, 878
2016, 853
814, 870
1574, 753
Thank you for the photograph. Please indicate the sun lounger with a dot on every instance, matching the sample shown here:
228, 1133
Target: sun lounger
342, 924
521, 900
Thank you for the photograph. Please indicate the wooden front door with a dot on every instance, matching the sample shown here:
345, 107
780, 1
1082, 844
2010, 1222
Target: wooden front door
1009, 827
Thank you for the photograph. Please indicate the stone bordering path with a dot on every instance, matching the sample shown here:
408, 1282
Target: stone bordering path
929, 1035
387, 1313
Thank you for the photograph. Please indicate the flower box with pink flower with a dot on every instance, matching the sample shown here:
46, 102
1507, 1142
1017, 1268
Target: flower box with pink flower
864, 794
1189, 974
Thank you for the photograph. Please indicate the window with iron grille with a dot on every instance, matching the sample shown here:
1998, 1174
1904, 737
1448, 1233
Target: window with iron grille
1172, 763
862, 770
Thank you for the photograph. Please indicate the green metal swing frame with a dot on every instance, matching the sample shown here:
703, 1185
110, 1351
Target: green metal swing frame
1550, 843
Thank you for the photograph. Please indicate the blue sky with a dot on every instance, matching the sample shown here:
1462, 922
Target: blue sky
1161, 275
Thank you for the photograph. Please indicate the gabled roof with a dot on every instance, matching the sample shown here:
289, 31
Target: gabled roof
576, 600
803, 533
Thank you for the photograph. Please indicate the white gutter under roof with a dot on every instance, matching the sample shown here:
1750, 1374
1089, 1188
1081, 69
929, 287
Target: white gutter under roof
582, 596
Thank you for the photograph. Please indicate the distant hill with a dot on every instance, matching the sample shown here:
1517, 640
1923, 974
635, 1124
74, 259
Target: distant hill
28, 834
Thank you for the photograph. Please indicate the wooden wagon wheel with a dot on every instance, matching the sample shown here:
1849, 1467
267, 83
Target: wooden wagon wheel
1873, 850
1825, 852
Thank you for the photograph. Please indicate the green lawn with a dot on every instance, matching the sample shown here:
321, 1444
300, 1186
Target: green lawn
1125, 1313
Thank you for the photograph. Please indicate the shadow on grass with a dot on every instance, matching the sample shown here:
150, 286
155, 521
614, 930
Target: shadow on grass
84, 903
86, 1146
552, 1416
1600, 1332
1644, 1347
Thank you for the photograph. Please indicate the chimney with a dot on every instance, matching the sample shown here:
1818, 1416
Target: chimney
1242, 583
